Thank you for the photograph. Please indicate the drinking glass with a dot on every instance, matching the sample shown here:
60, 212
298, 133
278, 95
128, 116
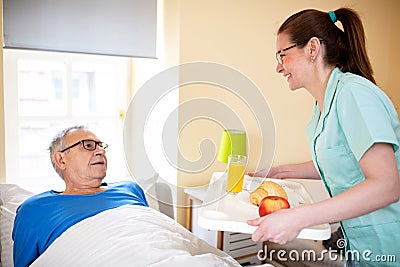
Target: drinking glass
236, 169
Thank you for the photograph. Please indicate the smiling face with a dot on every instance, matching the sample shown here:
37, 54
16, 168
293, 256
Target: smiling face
81, 167
295, 62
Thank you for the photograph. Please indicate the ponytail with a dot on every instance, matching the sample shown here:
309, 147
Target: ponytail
358, 61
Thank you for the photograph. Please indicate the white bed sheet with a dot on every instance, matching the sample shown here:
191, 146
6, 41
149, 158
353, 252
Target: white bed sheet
131, 236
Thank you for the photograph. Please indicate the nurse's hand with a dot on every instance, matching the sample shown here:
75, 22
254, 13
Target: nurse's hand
279, 227
277, 172
260, 173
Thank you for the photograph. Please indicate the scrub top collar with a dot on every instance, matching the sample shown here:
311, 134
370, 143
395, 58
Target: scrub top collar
328, 100
331, 90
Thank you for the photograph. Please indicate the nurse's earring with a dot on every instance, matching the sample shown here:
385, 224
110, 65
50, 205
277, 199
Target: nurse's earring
311, 56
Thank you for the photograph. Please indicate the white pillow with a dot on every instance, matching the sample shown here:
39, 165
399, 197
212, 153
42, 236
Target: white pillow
11, 196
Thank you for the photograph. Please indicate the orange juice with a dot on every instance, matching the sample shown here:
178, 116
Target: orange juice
235, 177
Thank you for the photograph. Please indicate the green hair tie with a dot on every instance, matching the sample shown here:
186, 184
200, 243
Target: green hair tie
333, 16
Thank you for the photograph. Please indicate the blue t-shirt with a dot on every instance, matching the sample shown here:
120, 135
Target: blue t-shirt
42, 218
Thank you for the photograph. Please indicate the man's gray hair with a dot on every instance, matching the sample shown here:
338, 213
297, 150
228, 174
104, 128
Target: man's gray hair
57, 143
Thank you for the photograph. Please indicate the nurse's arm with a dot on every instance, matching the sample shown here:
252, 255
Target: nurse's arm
380, 188
305, 170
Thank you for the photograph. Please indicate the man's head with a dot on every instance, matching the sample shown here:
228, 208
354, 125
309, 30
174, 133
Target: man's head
78, 155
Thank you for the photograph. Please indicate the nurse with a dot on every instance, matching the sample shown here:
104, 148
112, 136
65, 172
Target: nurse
354, 137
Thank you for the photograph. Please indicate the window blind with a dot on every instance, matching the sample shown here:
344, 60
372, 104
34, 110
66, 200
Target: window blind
104, 27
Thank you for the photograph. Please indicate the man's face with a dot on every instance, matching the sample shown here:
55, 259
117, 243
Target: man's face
83, 166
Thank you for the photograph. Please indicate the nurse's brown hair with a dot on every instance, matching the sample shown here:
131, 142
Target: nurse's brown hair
345, 49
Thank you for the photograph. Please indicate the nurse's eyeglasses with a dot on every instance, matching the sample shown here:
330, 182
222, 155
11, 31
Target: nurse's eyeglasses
279, 56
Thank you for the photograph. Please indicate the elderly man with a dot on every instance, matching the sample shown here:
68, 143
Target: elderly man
79, 157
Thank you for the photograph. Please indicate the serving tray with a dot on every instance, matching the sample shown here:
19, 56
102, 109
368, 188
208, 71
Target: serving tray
223, 211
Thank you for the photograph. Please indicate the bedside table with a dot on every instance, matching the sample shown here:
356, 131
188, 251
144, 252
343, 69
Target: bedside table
238, 245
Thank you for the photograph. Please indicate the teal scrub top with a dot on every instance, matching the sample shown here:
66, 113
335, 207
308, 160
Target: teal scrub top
356, 115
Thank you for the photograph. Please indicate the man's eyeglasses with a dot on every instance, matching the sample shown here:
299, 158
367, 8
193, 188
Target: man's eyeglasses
279, 54
88, 145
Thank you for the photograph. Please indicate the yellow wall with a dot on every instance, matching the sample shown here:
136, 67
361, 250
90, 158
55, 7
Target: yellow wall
241, 34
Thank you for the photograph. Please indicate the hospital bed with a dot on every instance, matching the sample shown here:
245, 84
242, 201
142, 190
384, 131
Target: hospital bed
125, 236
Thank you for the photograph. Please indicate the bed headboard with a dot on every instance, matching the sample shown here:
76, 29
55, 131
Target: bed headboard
165, 200
159, 195
11, 196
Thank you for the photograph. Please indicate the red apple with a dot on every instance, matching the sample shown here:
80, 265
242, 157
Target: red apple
271, 204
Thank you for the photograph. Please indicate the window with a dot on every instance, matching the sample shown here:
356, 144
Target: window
46, 92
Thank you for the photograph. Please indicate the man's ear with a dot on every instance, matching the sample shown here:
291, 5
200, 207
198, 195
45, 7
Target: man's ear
59, 160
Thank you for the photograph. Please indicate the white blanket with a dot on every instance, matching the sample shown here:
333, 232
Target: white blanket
131, 236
